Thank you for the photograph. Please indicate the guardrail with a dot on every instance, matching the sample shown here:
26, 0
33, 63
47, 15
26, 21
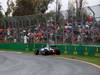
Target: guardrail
81, 50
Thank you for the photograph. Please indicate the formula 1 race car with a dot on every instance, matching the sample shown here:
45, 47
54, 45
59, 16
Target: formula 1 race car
48, 50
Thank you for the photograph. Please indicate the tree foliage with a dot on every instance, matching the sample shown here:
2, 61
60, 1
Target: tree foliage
77, 10
79, 4
10, 8
58, 12
1, 14
30, 7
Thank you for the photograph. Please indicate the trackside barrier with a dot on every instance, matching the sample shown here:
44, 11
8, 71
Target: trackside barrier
15, 47
36, 46
80, 50
98, 51
91, 50
70, 49
61, 48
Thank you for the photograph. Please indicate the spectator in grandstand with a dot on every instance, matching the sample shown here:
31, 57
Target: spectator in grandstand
25, 39
79, 39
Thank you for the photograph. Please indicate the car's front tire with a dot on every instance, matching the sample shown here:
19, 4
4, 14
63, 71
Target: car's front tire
37, 52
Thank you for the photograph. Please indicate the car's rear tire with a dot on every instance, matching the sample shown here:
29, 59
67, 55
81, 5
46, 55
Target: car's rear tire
58, 53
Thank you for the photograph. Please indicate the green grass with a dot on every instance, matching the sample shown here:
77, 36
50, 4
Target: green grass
94, 60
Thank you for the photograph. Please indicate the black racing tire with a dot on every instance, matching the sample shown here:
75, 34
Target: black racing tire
58, 53
36, 52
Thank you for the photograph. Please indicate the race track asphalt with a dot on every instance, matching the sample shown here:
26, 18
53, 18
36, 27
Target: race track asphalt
25, 64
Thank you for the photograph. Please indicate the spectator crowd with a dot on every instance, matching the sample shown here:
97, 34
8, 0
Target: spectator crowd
53, 33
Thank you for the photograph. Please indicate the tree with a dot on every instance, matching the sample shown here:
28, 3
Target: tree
30, 7
77, 10
10, 8
80, 9
1, 14
71, 11
58, 11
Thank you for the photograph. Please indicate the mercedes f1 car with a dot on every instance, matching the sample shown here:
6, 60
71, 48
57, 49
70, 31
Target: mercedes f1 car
48, 50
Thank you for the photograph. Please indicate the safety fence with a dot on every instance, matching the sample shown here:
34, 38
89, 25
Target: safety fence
80, 50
